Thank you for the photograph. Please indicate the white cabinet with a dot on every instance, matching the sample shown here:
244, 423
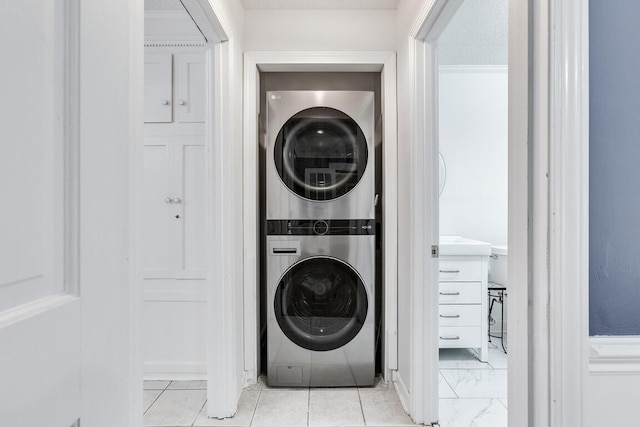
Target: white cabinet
174, 87
158, 88
173, 220
463, 303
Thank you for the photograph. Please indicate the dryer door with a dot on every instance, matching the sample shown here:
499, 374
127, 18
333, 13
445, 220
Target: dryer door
321, 303
320, 153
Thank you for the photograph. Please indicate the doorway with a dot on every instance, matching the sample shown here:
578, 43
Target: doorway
473, 215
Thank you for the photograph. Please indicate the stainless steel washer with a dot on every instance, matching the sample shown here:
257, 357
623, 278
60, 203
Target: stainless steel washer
321, 303
320, 155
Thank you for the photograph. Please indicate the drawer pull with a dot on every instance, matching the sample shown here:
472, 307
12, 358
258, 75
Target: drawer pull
450, 271
450, 338
450, 293
450, 316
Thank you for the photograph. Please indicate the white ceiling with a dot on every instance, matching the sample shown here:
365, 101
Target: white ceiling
162, 5
320, 4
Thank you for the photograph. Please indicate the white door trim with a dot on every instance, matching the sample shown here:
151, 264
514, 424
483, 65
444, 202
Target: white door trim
220, 348
423, 64
569, 246
254, 62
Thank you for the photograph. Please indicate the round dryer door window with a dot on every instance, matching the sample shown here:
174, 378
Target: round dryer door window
321, 303
320, 153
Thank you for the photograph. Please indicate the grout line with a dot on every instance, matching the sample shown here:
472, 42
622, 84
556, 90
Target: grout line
255, 408
152, 403
364, 420
446, 381
204, 405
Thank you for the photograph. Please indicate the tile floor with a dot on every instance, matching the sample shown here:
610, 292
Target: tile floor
182, 403
472, 393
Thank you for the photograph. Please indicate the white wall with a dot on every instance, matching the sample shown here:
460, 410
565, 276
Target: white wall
320, 30
473, 143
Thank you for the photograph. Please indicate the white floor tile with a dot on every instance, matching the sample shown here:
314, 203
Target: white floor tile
335, 408
246, 408
477, 383
148, 397
282, 408
504, 402
188, 385
175, 408
381, 407
461, 358
497, 358
155, 385
444, 389
472, 413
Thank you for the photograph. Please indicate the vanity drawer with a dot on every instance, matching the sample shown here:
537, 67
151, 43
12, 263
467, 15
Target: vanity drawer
460, 270
460, 315
460, 336
460, 293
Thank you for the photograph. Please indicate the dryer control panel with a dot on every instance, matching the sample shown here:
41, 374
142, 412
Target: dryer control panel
320, 227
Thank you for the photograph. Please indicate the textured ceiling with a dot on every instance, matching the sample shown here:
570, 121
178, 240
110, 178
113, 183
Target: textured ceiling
477, 34
320, 4
162, 5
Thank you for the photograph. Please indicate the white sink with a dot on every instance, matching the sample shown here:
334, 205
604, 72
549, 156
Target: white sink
457, 245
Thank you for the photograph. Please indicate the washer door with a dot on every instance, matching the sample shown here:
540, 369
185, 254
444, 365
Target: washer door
320, 153
321, 303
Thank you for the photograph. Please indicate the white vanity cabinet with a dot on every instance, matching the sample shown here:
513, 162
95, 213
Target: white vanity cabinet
463, 302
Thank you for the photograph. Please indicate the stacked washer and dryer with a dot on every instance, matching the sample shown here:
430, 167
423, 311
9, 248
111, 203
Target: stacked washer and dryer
320, 213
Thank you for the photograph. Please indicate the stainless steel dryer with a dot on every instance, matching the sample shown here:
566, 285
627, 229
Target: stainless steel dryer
320, 155
321, 302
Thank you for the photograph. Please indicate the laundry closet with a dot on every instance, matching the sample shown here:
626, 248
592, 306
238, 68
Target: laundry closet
320, 156
171, 240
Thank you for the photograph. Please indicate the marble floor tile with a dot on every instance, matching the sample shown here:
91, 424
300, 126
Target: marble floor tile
155, 385
472, 413
282, 408
242, 418
477, 383
461, 358
335, 408
444, 389
175, 408
381, 407
148, 397
497, 358
188, 385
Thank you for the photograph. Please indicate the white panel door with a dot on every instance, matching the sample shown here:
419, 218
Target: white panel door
158, 88
159, 227
191, 263
190, 87
39, 305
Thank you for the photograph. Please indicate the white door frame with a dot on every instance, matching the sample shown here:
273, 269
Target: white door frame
254, 62
424, 356
219, 300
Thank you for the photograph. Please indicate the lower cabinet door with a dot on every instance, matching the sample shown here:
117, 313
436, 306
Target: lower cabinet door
460, 336
460, 315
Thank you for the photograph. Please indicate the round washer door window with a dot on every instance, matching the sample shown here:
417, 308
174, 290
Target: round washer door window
321, 303
320, 153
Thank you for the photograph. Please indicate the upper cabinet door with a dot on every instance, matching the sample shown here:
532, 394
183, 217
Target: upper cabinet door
158, 88
190, 87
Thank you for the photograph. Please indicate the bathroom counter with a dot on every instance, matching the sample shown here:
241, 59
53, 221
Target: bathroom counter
456, 245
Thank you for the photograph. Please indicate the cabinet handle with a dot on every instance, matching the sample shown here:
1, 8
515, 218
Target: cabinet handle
449, 271
181, 102
450, 293
177, 200
168, 200
449, 338
450, 316
165, 102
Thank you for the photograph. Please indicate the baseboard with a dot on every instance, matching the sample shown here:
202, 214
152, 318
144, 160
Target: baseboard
402, 390
614, 355
175, 371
